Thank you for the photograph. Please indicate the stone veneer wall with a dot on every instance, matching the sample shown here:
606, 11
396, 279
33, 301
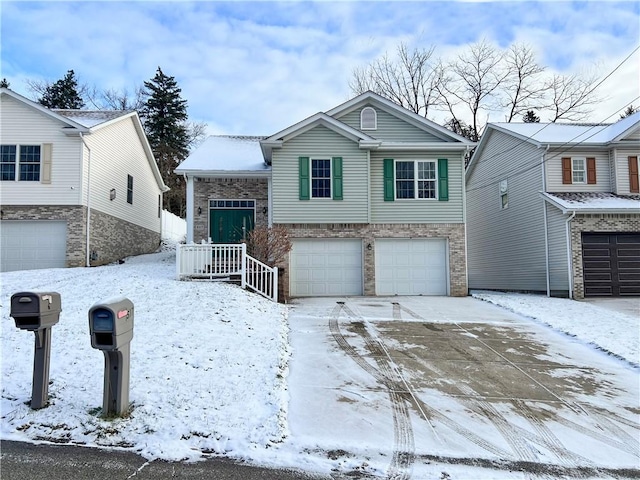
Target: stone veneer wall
75, 216
205, 189
454, 232
113, 239
612, 223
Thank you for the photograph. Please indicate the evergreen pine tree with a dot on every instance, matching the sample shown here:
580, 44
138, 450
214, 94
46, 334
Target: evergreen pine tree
4, 83
63, 94
164, 116
629, 111
530, 117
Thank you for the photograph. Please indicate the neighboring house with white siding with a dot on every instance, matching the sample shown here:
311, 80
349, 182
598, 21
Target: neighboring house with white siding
76, 187
555, 208
372, 196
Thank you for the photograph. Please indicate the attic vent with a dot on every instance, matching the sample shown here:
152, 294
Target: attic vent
368, 119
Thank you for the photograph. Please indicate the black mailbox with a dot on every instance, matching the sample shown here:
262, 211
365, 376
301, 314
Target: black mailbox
111, 324
35, 310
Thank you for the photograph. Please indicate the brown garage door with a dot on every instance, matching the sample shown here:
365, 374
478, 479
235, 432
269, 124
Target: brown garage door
611, 263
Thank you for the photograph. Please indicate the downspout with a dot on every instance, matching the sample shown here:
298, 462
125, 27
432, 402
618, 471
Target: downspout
569, 259
546, 227
88, 256
464, 220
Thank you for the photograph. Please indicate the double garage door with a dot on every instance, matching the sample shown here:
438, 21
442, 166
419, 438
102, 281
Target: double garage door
29, 245
333, 267
611, 264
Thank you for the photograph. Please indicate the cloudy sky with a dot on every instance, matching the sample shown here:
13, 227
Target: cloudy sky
258, 67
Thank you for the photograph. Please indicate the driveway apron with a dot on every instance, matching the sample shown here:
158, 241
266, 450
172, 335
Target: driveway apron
399, 383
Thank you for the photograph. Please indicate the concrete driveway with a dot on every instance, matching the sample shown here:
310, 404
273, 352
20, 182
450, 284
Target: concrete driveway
427, 387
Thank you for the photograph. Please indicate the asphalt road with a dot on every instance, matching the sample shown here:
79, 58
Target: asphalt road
26, 461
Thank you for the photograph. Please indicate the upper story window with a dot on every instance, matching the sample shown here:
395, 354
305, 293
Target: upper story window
504, 194
130, 189
320, 178
368, 119
578, 170
416, 179
22, 161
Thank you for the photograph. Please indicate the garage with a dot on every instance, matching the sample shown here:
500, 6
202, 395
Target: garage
611, 264
30, 245
416, 266
326, 267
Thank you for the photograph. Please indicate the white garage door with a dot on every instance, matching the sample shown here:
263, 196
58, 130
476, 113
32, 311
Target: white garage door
411, 266
326, 267
29, 245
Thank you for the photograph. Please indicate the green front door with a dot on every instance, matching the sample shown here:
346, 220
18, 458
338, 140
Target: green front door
230, 225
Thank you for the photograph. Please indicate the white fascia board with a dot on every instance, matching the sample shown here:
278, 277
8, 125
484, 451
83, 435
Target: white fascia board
45, 110
425, 146
516, 135
147, 148
113, 120
223, 173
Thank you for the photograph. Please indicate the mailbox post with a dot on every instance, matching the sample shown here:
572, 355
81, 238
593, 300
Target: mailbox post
111, 329
38, 312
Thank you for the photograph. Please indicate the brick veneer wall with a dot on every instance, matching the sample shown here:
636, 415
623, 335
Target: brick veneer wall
205, 189
612, 223
113, 239
75, 216
455, 233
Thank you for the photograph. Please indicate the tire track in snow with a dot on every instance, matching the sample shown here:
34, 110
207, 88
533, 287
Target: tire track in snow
403, 441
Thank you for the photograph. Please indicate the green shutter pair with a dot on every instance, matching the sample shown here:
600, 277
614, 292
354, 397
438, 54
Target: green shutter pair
305, 178
389, 180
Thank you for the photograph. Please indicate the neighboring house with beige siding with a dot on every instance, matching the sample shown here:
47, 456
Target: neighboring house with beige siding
555, 208
76, 187
372, 196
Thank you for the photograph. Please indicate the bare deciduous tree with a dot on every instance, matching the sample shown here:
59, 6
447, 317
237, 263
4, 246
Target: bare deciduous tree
571, 97
523, 88
269, 244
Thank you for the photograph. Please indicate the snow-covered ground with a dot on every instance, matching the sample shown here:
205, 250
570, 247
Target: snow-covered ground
209, 363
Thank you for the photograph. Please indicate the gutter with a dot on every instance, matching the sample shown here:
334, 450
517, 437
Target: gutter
569, 259
88, 253
546, 226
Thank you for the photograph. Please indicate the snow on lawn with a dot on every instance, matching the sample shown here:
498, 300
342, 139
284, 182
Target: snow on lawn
208, 364
614, 332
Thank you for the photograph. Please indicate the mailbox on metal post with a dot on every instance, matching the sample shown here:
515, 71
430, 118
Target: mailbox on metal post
38, 312
111, 329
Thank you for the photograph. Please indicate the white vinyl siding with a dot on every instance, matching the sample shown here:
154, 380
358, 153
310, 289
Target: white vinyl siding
23, 125
622, 168
30, 245
116, 152
411, 266
506, 247
319, 142
325, 267
553, 165
390, 128
417, 210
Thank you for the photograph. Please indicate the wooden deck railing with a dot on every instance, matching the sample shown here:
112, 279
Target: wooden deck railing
214, 261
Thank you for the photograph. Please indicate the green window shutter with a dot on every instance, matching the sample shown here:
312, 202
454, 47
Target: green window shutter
389, 194
443, 179
336, 173
303, 170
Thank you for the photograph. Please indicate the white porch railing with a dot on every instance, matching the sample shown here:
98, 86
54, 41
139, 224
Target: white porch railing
216, 261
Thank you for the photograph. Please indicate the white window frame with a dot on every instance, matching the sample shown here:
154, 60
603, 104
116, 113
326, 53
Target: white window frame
504, 194
416, 180
16, 164
311, 178
575, 170
375, 119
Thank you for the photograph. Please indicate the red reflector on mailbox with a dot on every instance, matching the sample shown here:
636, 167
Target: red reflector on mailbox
123, 313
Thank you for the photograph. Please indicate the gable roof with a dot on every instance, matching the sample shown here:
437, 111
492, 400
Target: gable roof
79, 122
394, 109
559, 134
593, 202
224, 155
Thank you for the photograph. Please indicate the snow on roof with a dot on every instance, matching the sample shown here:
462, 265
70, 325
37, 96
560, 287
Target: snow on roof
572, 132
600, 201
91, 118
226, 153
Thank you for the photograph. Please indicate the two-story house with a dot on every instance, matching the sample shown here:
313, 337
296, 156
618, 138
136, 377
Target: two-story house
77, 188
372, 196
555, 208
